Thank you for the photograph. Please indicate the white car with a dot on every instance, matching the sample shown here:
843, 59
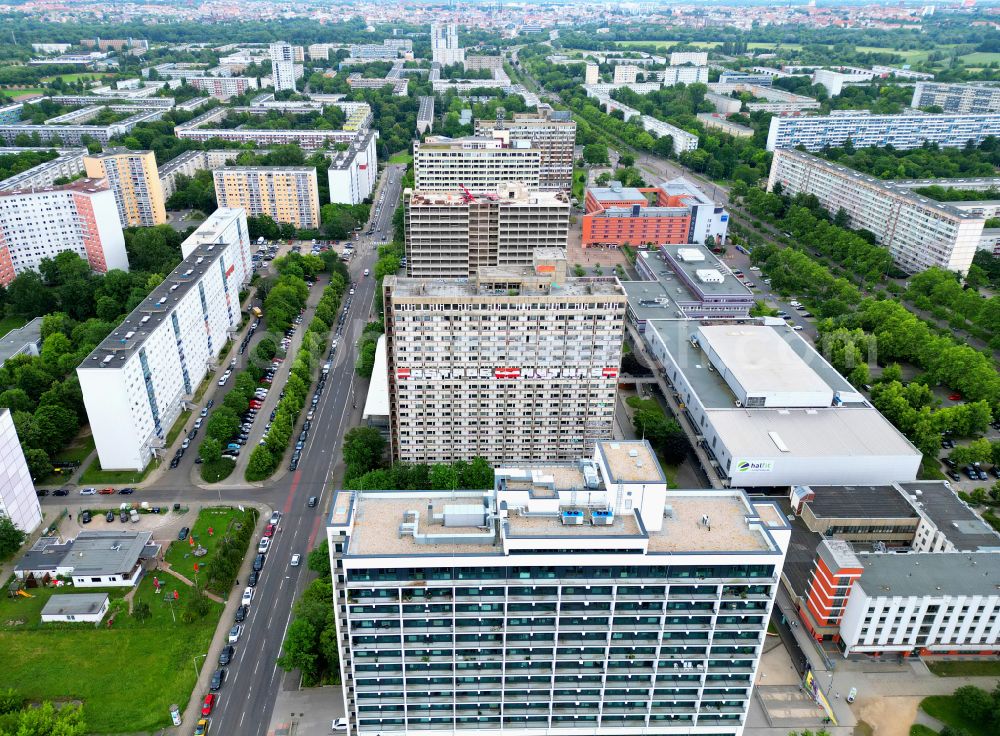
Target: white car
275, 517
296, 559
247, 596
264, 544
339, 724
234, 633
797, 328
88, 491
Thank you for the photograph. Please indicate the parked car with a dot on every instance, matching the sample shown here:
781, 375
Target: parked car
258, 563
88, 491
85, 517
235, 633
107, 491
275, 518
339, 724
226, 655
252, 578
201, 728
127, 491
247, 595
109, 517
263, 545
60, 492
207, 704
183, 533
218, 677
241, 614
123, 516
269, 530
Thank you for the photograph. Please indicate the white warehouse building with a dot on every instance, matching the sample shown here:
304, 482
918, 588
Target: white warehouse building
580, 596
770, 411
18, 500
354, 172
138, 380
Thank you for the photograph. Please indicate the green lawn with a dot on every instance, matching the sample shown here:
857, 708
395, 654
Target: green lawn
220, 470
94, 475
930, 469
919, 729
966, 668
11, 323
179, 554
75, 452
75, 77
980, 58
946, 710
403, 157
126, 676
19, 93
178, 426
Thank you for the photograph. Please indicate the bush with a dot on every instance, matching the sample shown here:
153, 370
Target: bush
262, 464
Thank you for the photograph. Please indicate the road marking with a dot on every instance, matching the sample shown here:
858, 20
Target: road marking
258, 662
291, 491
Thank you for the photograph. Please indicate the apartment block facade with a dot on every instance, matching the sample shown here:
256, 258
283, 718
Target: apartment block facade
444, 44
918, 231
68, 163
135, 181
283, 68
479, 164
515, 363
449, 235
18, 501
353, 173
41, 223
864, 130
138, 380
575, 596
956, 98
552, 133
222, 88
284, 193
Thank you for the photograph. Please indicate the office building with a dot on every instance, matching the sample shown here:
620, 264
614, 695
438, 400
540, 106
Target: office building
686, 281
18, 501
863, 129
41, 223
674, 212
135, 182
353, 172
138, 380
283, 67
534, 360
68, 163
694, 58
451, 235
287, 194
956, 98
770, 411
479, 163
553, 133
444, 44
918, 231
577, 596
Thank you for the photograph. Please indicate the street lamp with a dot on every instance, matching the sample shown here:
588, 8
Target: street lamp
194, 661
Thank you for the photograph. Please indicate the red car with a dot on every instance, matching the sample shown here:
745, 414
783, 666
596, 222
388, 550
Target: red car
255, 404
106, 491
269, 530
206, 707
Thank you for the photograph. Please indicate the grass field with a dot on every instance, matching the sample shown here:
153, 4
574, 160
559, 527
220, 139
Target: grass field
919, 729
946, 710
179, 554
403, 157
68, 78
11, 323
17, 94
75, 452
178, 426
94, 475
966, 668
980, 58
126, 676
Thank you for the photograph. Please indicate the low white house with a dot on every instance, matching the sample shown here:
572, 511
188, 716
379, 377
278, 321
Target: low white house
93, 560
76, 608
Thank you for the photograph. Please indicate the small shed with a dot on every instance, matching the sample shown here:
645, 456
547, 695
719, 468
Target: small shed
76, 608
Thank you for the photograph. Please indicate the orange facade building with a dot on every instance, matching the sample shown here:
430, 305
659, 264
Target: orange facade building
619, 215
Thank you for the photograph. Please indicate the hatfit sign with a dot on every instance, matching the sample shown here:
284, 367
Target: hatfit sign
754, 466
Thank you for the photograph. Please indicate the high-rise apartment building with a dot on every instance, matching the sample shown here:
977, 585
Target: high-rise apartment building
449, 234
580, 596
694, 58
918, 231
283, 66
515, 363
864, 130
444, 44
223, 88
591, 73
140, 378
18, 501
41, 223
478, 164
960, 98
284, 193
135, 181
552, 132
353, 172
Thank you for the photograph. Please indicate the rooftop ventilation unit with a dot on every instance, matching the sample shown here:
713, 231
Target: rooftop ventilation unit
602, 518
570, 518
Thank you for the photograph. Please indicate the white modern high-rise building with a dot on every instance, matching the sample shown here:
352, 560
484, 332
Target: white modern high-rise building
444, 44
865, 130
283, 66
552, 132
139, 379
960, 98
18, 500
515, 363
353, 173
478, 164
41, 223
919, 232
450, 235
580, 596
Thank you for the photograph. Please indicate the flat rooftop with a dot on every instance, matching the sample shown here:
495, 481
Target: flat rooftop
642, 295
16, 340
406, 287
107, 553
631, 462
930, 574
74, 604
860, 502
84, 186
760, 359
960, 524
266, 169
458, 199
617, 193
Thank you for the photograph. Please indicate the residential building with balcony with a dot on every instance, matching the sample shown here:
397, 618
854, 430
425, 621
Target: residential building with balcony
477, 163
287, 194
135, 181
552, 132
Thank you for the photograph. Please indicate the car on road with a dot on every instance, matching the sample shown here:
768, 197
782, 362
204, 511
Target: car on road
182, 534
263, 545
207, 704
210, 403
88, 491
258, 563
202, 727
218, 677
85, 517
197, 423
797, 328
252, 578
186, 443
339, 724
269, 530
241, 614
226, 655
126, 491
312, 502
247, 596
366, 272
852, 695
234, 633
204, 413
296, 559
60, 492
109, 491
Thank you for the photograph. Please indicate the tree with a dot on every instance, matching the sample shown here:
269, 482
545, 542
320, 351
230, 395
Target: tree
39, 465
974, 702
53, 426
11, 538
319, 559
261, 463
363, 449
366, 359
141, 611
299, 648
266, 350
477, 474
595, 153
210, 450
443, 477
